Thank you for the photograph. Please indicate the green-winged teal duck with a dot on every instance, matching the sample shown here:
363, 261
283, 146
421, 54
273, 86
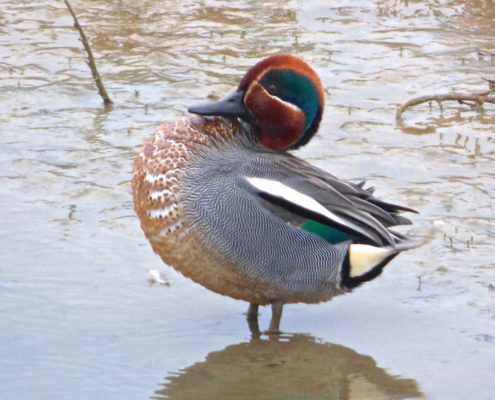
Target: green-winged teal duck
222, 200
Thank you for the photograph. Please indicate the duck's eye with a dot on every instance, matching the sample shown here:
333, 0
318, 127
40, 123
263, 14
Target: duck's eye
272, 89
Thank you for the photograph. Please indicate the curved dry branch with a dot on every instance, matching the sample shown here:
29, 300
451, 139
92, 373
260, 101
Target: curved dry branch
91, 60
476, 99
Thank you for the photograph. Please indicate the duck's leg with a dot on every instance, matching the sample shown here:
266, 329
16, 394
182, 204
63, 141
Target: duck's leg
252, 319
252, 312
277, 307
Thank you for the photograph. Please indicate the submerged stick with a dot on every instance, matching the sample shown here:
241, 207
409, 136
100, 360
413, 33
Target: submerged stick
91, 60
475, 98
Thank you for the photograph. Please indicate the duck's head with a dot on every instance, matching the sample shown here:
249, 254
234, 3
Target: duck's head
281, 97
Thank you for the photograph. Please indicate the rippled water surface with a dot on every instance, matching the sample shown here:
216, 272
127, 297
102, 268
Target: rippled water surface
78, 318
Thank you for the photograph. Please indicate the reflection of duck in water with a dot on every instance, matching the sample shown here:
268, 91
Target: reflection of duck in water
222, 201
293, 367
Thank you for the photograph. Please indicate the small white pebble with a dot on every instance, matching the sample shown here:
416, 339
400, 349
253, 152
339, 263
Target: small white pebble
154, 276
438, 223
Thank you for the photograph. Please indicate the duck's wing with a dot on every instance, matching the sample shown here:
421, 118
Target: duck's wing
320, 203
363, 198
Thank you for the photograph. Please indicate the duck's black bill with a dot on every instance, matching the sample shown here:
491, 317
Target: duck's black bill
232, 106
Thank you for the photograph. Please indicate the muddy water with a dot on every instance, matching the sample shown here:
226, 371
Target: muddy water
78, 318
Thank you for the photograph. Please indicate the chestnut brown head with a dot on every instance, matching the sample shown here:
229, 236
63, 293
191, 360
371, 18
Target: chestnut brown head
281, 97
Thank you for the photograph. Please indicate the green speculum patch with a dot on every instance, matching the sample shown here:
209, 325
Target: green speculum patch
328, 233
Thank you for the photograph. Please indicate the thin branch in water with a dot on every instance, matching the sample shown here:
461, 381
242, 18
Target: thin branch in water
474, 99
91, 60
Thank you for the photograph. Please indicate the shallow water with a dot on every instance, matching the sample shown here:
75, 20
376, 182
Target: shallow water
78, 318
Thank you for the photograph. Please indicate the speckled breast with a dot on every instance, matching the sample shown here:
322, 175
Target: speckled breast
159, 200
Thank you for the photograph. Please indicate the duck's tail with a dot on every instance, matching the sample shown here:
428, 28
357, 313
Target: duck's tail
365, 262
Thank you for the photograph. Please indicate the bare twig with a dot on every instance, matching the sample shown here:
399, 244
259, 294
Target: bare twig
476, 99
91, 60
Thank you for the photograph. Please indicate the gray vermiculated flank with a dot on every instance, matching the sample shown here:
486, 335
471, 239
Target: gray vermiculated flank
227, 211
